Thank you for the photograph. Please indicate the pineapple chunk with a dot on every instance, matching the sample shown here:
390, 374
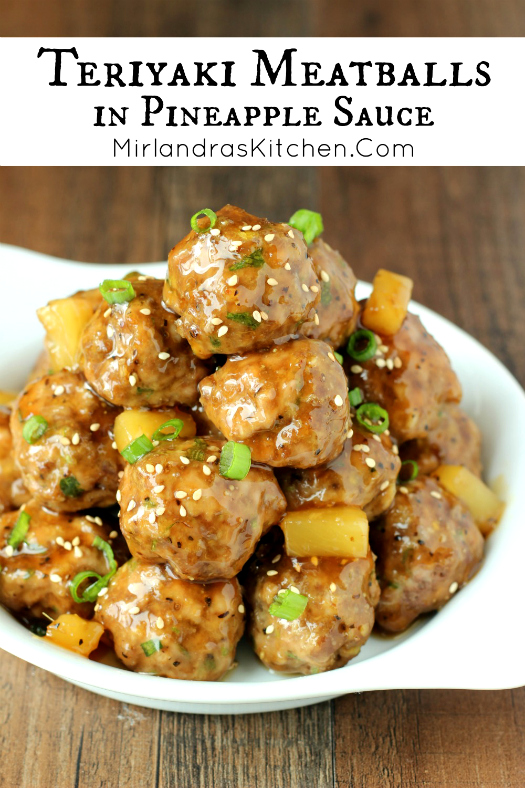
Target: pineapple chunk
340, 531
64, 320
387, 305
75, 633
485, 506
131, 424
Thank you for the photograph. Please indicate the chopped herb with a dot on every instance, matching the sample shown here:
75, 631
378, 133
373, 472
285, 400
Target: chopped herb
355, 397
117, 291
216, 343
197, 451
362, 345
137, 449
288, 605
412, 467
19, 532
145, 391
159, 435
149, 647
308, 222
326, 293
71, 487
338, 356
373, 417
245, 318
253, 260
235, 460
34, 428
194, 221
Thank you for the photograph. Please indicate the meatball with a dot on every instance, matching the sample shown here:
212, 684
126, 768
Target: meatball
410, 376
427, 546
455, 440
288, 404
12, 491
205, 426
73, 465
349, 479
338, 309
35, 577
338, 617
241, 285
163, 625
175, 507
133, 355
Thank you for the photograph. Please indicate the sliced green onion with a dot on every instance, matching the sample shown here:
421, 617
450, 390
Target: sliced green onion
198, 451
338, 357
117, 291
362, 345
158, 435
245, 318
106, 548
413, 472
235, 461
288, 605
92, 591
149, 647
71, 487
373, 417
308, 222
355, 397
212, 216
19, 532
34, 428
253, 260
137, 449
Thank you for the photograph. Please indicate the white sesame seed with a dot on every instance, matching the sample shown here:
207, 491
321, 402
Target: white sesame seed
142, 278
257, 316
383, 348
159, 488
290, 233
246, 228
241, 608
256, 227
376, 438
222, 331
316, 319
107, 312
324, 276
288, 267
269, 629
94, 427
206, 471
132, 380
453, 588
365, 448
67, 545
159, 468
184, 460
118, 496
236, 243
113, 534
349, 433
77, 552
331, 356
145, 311
356, 369
338, 400
304, 287
389, 364
120, 474
180, 494
59, 390
395, 449
215, 231
197, 495
294, 590
232, 280
160, 623
9, 550
159, 511
75, 440
384, 485
264, 315
182, 511
60, 540
398, 363
164, 356
216, 321
314, 288
212, 458
97, 520
110, 331
152, 517
75, 541
380, 362
114, 445
134, 610
103, 592
64, 441
271, 572
370, 462
435, 494
90, 518
281, 591
213, 448
150, 468
272, 282
403, 490
333, 587
131, 505
269, 237
276, 558
55, 578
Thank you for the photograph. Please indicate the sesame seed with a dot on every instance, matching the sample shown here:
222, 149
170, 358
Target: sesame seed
331, 356
64, 441
132, 380
150, 468
236, 243
110, 331
398, 363
380, 362
159, 468
184, 460
246, 228
314, 288
180, 494
324, 276
159, 511
90, 518
272, 282
94, 427
232, 280
269, 629
305, 287
160, 623
107, 312
333, 587
214, 448
269, 237
134, 610
77, 552
357, 447
294, 589
140, 511
403, 490
356, 369
288, 267
55, 578
241, 608
349, 433
131, 505
145, 311
216, 321
290, 233
97, 520
75, 541
315, 561
276, 558
114, 445
59, 390
316, 319
164, 356
142, 278
435, 494
384, 485
120, 474
215, 231
384, 348
389, 364
257, 316
182, 511
222, 331
365, 448
60, 540
395, 449
113, 534
206, 471
212, 458
271, 572
9, 550
338, 400
67, 545
197, 495
264, 315
152, 517
159, 488
453, 588
102, 592
281, 591
75, 440
376, 438
118, 496
370, 462
256, 227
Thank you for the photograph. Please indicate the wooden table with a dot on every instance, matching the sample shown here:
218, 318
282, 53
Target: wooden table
460, 233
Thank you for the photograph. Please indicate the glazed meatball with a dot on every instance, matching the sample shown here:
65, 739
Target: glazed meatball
338, 309
12, 491
241, 285
163, 625
364, 475
288, 404
35, 577
133, 355
177, 508
410, 376
427, 546
455, 440
338, 617
73, 465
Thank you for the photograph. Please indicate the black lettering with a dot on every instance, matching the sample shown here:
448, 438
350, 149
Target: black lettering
155, 69
58, 62
349, 117
262, 60
483, 73
361, 65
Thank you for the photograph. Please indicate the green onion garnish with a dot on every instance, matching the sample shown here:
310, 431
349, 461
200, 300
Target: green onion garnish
149, 647
92, 591
362, 345
338, 357
355, 397
158, 435
18, 534
137, 449
117, 291
34, 428
71, 487
288, 605
373, 417
308, 222
253, 260
106, 548
212, 216
235, 461
245, 318
413, 473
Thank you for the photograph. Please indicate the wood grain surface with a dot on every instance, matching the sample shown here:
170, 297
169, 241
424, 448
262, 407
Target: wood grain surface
460, 233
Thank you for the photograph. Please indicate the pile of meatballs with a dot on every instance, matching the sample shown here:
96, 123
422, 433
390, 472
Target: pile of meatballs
247, 337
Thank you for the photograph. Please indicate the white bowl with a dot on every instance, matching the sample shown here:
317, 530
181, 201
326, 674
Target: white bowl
475, 642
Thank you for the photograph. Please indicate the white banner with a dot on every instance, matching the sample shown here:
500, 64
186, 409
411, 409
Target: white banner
262, 101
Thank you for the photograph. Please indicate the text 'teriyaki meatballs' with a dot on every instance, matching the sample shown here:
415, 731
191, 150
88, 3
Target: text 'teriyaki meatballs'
455, 440
12, 491
62, 438
36, 573
427, 546
337, 310
133, 355
177, 508
338, 617
410, 376
288, 404
363, 475
240, 284
163, 625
